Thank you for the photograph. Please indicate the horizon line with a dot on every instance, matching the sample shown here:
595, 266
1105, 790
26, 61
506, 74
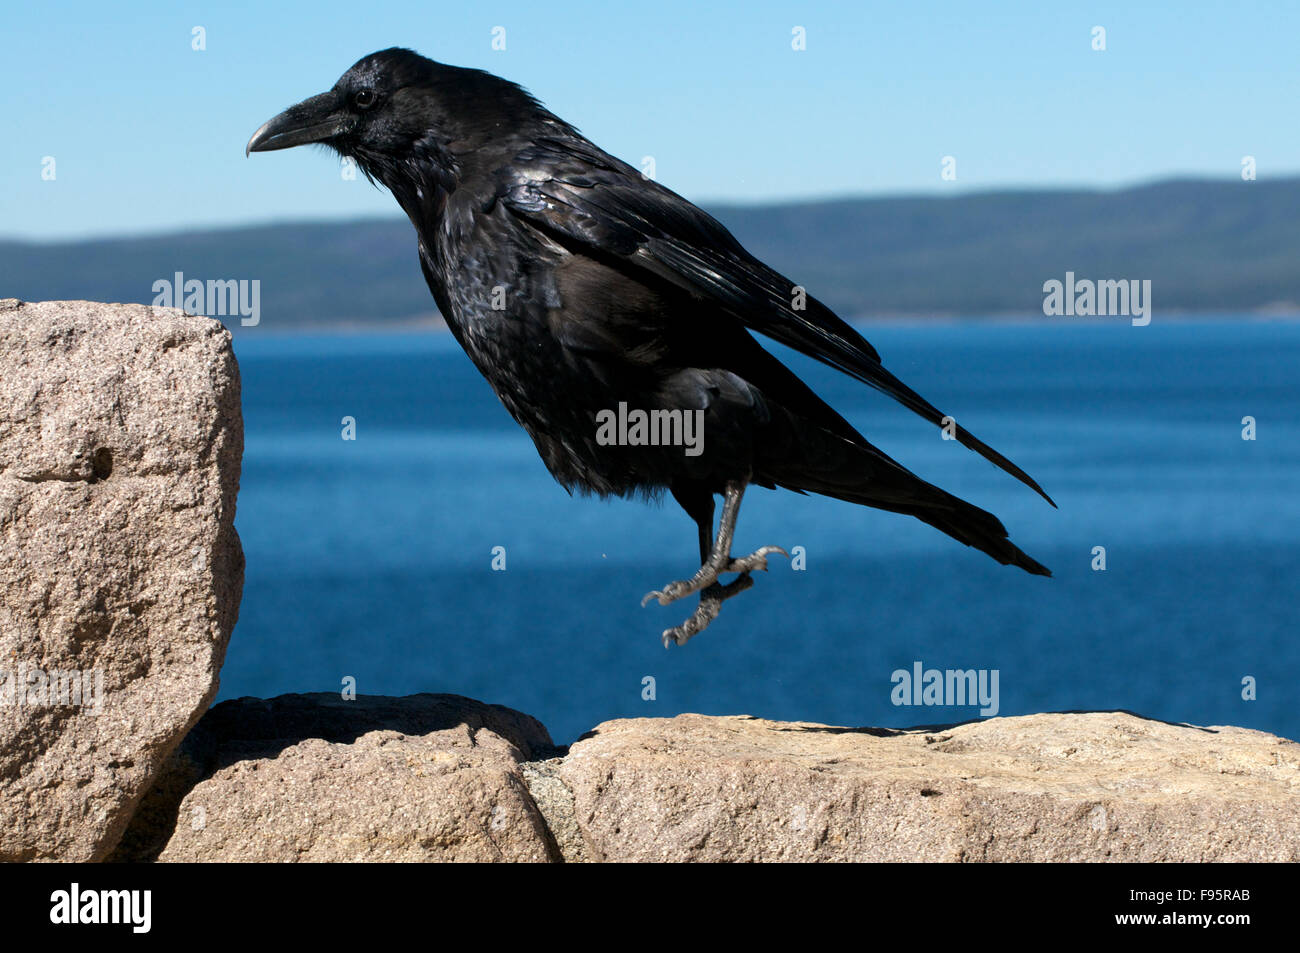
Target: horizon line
942, 193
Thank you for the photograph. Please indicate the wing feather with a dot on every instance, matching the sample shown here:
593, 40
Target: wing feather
575, 191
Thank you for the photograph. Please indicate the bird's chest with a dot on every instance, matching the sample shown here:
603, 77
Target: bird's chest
558, 340
503, 300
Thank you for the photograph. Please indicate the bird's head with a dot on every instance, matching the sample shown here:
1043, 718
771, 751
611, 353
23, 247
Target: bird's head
395, 110
383, 105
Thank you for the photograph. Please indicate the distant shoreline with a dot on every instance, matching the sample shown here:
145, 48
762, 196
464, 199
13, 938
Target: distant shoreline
435, 325
1197, 248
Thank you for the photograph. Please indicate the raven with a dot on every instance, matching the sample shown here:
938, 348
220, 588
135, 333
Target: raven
577, 285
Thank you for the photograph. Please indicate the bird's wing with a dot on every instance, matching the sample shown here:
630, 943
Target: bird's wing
576, 192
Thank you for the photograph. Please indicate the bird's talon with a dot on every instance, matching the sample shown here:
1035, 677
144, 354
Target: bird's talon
677, 590
755, 561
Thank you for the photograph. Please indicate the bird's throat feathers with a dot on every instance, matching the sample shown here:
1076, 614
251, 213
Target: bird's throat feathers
420, 181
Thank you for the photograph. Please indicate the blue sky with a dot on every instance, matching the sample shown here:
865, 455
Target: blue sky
147, 134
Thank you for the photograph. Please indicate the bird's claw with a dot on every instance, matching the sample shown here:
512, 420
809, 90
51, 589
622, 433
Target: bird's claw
711, 600
755, 561
705, 613
681, 588
706, 577
676, 590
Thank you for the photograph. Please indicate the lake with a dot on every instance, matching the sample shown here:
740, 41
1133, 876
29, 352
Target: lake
372, 558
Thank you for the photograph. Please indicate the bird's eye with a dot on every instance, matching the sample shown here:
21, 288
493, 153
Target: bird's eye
364, 98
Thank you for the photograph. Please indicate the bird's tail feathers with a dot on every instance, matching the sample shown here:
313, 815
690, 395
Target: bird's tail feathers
866, 476
878, 377
961, 520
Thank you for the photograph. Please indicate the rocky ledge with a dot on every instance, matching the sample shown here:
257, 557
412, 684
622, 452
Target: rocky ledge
120, 577
445, 778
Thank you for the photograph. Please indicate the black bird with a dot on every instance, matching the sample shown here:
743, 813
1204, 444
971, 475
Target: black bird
578, 286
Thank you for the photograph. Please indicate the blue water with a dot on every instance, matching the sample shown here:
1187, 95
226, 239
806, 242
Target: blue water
372, 558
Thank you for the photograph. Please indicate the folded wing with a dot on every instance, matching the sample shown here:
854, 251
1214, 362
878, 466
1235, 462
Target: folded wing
570, 189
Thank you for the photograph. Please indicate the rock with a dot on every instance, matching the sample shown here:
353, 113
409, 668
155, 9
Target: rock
1054, 787
120, 569
318, 778
555, 802
440, 777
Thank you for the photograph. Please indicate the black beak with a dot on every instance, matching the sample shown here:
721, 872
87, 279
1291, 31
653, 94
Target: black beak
318, 119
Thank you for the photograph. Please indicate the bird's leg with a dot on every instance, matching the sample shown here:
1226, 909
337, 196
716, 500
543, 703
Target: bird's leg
715, 558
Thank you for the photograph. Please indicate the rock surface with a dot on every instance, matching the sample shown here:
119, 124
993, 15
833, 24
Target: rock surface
318, 778
1054, 787
120, 569
439, 777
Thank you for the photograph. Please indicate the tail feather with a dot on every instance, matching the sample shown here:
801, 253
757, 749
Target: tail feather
886, 382
963, 522
829, 465
982, 530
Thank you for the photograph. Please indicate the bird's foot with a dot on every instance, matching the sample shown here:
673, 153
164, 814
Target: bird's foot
708, 576
711, 600
755, 560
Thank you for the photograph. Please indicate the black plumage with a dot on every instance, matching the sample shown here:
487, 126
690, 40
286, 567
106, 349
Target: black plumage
575, 283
